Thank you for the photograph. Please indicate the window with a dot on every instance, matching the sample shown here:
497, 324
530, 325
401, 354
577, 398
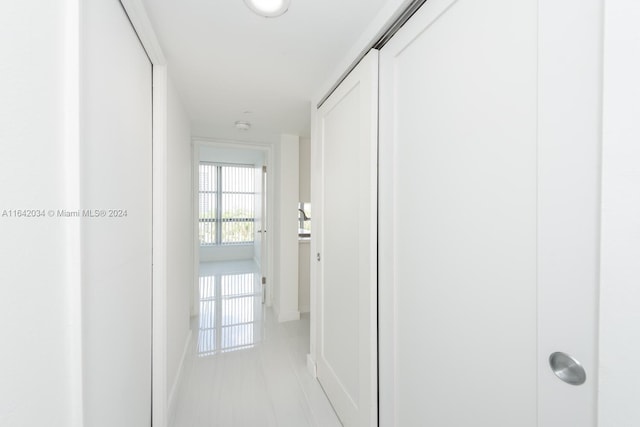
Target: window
226, 204
208, 203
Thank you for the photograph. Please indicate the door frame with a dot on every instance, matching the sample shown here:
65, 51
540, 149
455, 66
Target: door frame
267, 150
159, 382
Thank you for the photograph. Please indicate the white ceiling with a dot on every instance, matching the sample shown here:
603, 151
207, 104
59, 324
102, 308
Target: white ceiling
225, 60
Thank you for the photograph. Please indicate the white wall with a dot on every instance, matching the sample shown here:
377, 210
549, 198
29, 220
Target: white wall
179, 239
240, 155
304, 274
620, 250
37, 362
286, 215
305, 169
273, 288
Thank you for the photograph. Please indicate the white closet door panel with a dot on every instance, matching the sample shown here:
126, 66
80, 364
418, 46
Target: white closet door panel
347, 242
458, 313
116, 248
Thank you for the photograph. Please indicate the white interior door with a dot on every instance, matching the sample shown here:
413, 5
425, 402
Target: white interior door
265, 259
464, 287
347, 359
260, 226
116, 159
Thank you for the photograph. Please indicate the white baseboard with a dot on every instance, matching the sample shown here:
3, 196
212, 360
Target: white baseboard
311, 366
286, 317
172, 401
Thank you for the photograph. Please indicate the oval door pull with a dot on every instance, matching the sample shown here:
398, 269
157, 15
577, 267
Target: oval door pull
567, 368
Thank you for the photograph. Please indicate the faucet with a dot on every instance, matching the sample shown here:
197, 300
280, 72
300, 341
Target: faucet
304, 215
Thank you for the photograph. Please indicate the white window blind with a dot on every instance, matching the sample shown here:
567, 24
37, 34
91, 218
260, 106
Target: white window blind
227, 204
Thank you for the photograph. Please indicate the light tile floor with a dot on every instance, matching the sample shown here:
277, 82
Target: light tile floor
244, 368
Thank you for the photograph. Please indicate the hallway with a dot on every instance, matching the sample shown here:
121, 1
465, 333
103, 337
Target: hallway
243, 367
473, 172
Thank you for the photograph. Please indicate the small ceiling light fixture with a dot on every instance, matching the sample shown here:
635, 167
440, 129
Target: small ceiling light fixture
268, 8
241, 125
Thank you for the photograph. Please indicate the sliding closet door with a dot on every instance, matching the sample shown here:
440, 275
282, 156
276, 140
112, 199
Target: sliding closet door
489, 215
458, 311
459, 182
346, 219
116, 237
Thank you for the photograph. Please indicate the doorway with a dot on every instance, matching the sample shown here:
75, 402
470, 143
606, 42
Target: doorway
232, 208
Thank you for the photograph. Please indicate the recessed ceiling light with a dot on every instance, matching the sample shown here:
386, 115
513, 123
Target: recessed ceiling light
241, 125
268, 8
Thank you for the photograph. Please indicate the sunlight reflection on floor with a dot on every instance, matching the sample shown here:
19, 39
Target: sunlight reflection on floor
231, 312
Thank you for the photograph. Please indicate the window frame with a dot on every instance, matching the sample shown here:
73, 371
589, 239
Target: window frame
218, 219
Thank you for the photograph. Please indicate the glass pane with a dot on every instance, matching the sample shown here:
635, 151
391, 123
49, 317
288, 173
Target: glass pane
237, 204
207, 203
238, 179
237, 232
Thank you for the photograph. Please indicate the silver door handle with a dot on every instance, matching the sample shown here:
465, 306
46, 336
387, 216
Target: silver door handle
567, 369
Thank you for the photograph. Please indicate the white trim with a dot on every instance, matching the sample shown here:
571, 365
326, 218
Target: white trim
311, 366
173, 401
72, 195
159, 358
304, 309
